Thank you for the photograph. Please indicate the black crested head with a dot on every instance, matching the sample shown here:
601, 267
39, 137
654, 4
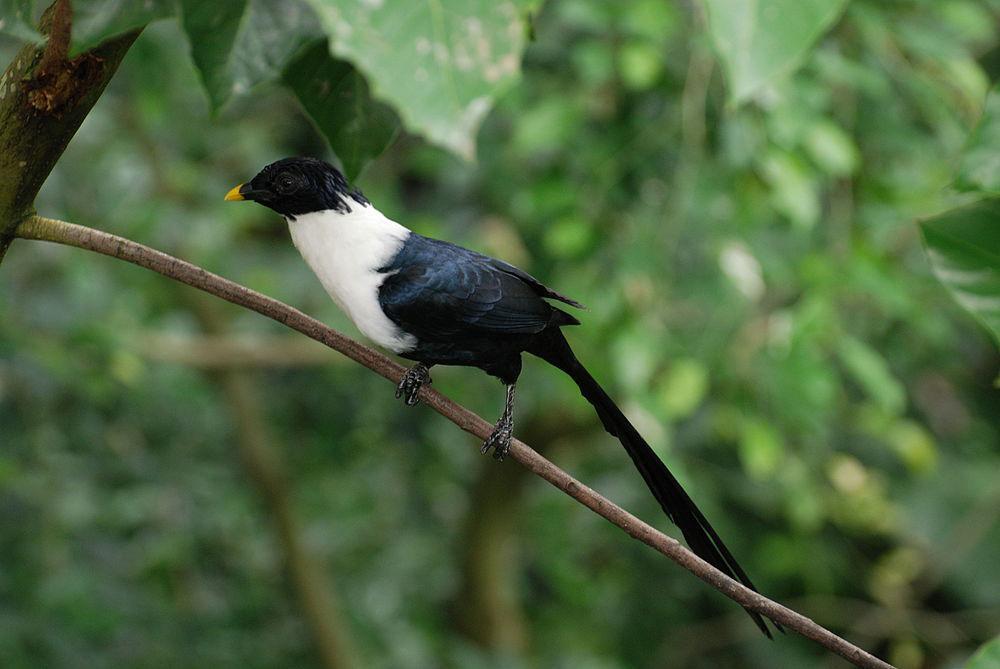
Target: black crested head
296, 186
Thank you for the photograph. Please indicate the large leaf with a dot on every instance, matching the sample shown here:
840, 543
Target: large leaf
964, 249
16, 21
240, 43
96, 20
979, 168
759, 40
987, 657
440, 63
337, 99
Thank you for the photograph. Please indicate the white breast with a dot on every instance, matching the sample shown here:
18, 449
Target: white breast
344, 251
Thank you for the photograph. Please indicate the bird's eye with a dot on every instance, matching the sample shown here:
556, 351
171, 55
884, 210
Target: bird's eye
286, 184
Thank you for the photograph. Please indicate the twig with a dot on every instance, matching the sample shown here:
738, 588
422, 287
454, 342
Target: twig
46, 229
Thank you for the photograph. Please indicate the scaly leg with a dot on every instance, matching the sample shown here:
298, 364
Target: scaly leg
414, 379
500, 438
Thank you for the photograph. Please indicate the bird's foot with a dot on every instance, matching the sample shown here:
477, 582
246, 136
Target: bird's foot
414, 379
499, 440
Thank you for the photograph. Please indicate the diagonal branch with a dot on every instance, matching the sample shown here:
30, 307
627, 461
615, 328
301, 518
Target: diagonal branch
46, 229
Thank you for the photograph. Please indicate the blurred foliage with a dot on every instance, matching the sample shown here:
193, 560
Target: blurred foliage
96, 20
964, 244
237, 45
759, 301
17, 20
757, 41
986, 657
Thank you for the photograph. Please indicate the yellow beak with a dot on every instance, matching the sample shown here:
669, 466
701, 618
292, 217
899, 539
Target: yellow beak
235, 193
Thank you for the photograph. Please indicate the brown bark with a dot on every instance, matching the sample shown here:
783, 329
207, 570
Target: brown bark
44, 97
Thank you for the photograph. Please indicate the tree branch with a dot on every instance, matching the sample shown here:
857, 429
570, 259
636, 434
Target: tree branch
44, 97
46, 229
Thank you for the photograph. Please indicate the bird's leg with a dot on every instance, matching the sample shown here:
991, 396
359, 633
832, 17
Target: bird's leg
499, 439
414, 379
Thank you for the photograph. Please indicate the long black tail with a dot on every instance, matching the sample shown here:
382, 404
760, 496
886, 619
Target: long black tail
552, 347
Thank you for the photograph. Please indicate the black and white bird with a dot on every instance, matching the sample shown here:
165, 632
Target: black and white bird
440, 304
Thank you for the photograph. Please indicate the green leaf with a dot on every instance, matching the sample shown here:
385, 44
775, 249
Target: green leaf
441, 64
914, 445
16, 20
964, 249
640, 64
760, 40
987, 657
337, 99
832, 148
761, 448
870, 371
794, 189
96, 20
979, 168
683, 388
568, 237
241, 43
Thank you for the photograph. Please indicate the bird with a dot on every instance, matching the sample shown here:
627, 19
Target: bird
436, 303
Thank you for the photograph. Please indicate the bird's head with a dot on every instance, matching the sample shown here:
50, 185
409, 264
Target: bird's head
296, 186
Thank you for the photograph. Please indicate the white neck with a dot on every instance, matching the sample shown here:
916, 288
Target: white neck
345, 251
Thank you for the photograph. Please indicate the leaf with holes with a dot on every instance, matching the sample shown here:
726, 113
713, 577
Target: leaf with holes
337, 99
241, 43
964, 249
761, 40
440, 63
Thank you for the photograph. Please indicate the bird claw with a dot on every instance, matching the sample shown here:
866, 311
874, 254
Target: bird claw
499, 440
413, 380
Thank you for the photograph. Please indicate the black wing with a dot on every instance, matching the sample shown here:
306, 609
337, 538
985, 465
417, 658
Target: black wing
438, 291
537, 286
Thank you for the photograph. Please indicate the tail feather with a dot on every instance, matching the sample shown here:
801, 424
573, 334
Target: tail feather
699, 534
